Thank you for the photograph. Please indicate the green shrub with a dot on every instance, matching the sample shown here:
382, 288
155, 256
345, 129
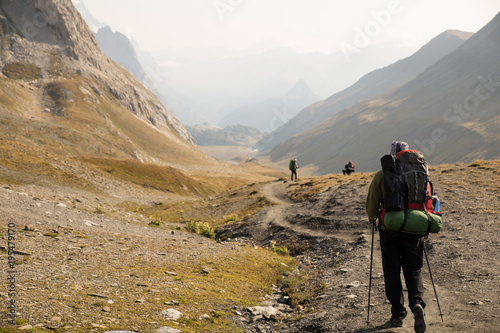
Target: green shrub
201, 228
218, 314
230, 218
7, 330
99, 210
154, 223
279, 250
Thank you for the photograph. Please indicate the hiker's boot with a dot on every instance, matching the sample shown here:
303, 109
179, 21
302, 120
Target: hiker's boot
418, 313
396, 321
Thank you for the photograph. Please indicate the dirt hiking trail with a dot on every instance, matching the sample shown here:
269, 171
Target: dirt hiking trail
277, 214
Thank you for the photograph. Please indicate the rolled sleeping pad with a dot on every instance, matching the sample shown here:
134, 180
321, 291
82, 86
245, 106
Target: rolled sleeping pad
416, 222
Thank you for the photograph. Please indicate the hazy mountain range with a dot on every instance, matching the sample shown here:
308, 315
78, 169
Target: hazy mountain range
91, 21
450, 112
218, 85
371, 84
224, 86
271, 114
214, 87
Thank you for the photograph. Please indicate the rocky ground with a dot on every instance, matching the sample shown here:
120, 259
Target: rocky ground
84, 264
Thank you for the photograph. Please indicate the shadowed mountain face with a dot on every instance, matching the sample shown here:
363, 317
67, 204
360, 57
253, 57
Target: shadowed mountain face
450, 112
374, 83
118, 47
60, 92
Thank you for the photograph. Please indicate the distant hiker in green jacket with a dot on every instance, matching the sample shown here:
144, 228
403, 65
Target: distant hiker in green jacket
293, 166
398, 252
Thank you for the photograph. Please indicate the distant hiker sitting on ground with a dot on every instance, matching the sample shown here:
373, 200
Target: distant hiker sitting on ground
398, 251
349, 168
293, 168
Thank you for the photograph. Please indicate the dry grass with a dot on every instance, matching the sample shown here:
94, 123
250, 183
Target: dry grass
86, 123
240, 279
23, 164
22, 71
151, 176
303, 287
236, 204
307, 187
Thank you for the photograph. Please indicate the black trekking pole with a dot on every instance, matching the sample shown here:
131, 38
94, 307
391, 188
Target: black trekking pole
370, 283
433, 286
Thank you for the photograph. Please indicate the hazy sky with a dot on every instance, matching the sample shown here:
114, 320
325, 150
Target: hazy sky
326, 25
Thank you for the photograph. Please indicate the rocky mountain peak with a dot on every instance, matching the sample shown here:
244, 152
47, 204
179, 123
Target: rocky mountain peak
301, 89
53, 22
52, 36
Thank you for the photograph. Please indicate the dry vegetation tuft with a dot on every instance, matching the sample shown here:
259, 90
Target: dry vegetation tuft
22, 71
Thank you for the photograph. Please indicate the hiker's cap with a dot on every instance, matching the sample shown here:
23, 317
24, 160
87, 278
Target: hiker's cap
398, 146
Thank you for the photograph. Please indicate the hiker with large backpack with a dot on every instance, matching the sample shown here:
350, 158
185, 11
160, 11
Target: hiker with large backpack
401, 198
293, 166
349, 168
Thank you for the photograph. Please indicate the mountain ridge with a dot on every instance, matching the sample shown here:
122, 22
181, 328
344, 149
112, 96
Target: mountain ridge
371, 84
450, 112
219, 85
118, 47
69, 113
63, 47
268, 114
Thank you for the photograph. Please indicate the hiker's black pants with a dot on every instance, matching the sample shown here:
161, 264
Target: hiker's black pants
406, 253
294, 172
347, 171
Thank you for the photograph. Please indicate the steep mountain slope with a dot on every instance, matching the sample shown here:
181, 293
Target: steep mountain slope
272, 113
371, 84
450, 112
62, 99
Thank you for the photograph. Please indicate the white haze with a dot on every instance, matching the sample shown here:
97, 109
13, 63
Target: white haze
305, 25
210, 59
